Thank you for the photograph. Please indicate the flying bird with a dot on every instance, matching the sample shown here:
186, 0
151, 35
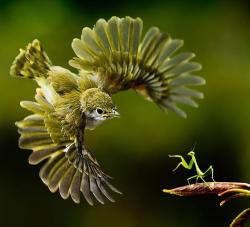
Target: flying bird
111, 57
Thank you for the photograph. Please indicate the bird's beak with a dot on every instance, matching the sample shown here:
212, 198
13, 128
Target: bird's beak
111, 114
115, 113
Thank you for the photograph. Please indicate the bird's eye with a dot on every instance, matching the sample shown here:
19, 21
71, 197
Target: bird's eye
99, 111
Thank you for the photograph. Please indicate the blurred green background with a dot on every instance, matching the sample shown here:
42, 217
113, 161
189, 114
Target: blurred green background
134, 149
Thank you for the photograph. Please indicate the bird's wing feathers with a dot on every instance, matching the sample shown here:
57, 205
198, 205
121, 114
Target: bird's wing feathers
114, 51
32, 62
68, 169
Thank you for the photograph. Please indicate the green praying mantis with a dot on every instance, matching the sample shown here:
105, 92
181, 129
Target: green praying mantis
193, 162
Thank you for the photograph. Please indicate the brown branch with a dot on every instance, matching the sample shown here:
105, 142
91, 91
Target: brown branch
206, 188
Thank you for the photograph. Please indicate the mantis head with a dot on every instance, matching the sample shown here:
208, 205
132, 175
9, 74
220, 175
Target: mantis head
191, 153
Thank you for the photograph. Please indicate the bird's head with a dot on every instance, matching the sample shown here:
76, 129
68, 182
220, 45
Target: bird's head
98, 105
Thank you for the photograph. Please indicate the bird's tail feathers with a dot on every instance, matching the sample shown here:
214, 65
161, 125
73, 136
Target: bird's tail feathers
32, 62
92, 175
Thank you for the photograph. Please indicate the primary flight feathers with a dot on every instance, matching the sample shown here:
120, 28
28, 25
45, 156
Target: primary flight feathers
111, 57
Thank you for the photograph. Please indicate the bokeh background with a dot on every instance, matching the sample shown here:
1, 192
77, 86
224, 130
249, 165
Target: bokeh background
134, 149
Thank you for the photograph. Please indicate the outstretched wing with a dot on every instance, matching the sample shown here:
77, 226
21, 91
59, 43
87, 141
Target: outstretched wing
113, 51
70, 168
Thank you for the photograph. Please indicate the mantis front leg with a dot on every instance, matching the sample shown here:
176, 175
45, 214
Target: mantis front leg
182, 162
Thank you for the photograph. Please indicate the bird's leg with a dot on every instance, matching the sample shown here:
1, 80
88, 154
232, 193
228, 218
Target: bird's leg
80, 137
182, 162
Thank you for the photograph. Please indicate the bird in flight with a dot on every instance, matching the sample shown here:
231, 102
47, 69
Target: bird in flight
111, 57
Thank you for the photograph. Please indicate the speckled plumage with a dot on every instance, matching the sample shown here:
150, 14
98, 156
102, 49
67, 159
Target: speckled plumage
111, 57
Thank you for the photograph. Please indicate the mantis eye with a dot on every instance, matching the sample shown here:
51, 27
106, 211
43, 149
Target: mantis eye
99, 111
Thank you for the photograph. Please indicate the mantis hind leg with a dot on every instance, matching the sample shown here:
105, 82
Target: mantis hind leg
212, 174
210, 170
